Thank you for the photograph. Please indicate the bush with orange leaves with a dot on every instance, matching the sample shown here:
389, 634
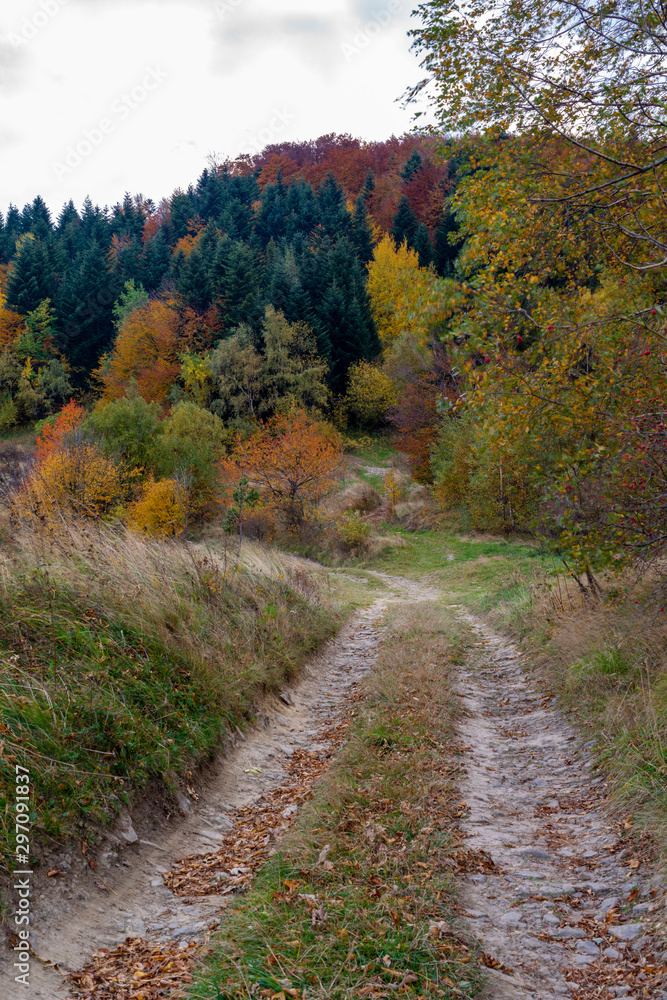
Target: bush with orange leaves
293, 461
161, 510
73, 479
70, 475
55, 431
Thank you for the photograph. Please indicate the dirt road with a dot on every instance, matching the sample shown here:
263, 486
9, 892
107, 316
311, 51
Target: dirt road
559, 905
82, 910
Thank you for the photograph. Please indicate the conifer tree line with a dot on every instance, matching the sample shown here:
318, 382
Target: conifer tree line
293, 229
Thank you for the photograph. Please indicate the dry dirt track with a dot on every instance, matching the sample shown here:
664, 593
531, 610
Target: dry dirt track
554, 901
83, 910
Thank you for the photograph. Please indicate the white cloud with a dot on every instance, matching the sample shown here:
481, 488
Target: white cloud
104, 96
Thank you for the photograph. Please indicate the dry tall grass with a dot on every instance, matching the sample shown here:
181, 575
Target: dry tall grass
123, 660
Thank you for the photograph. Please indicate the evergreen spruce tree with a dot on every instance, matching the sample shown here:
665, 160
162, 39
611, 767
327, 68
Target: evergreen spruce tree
84, 307
446, 252
413, 164
423, 245
95, 226
69, 233
10, 233
157, 258
127, 219
369, 187
194, 284
361, 234
334, 216
272, 221
404, 227
211, 195
32, 278
303, 210
183, 210
40, 219
238, 286
6, 245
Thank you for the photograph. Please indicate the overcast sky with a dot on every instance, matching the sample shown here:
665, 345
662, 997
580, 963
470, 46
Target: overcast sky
99, 97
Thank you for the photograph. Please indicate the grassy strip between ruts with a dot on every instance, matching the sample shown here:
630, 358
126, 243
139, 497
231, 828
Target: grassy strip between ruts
604, 659
359, 901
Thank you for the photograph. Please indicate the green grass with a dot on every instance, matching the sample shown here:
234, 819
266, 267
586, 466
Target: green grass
385, 811
122, 665
379, 449
606, 661
23, 437
485, 571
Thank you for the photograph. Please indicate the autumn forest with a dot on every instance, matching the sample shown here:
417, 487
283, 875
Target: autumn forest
408, 396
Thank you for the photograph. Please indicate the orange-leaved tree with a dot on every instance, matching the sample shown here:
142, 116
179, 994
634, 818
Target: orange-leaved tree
292, 461
55, 432
145, 354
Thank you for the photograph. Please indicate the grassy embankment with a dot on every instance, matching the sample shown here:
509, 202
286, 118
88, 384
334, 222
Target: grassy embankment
606, 660
123, 663
358, 901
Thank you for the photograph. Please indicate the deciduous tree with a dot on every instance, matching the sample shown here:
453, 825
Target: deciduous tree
292, 463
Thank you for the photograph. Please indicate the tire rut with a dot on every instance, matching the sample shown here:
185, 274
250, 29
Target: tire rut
557, 903
125, 895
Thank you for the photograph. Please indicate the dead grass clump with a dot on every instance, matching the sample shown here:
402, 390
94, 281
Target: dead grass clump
377, 544
417, 515
15, 461
360, 497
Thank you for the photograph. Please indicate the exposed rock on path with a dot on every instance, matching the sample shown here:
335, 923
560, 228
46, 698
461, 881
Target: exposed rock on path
560, 906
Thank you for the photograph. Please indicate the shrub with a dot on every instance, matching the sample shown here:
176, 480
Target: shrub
192, 442
354, 531
75, 477
8, 415
359, 496
160, 511
393, 490
370, 394
128, 426
54, 432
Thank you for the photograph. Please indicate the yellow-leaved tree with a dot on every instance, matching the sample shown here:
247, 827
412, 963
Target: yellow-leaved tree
407, 301
371, 393
161, 510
